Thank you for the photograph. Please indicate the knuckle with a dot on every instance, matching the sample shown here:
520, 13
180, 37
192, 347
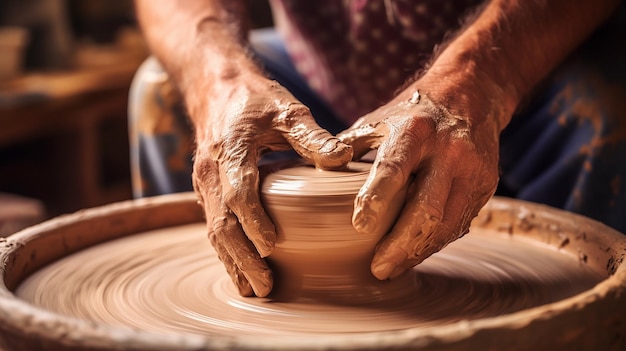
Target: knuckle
432, 214
233, 145
241, 189
205, 182
462, 147
222, 226
249, 177
451, 124
422, 124
405, 132
250, 263
390, 169
289, 115
213, 239
202, 167
231, 198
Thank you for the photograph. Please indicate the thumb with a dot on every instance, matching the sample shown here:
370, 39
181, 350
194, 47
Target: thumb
311, 141
364, 137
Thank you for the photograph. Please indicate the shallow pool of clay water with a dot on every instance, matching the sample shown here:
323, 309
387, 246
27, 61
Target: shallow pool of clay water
170, 280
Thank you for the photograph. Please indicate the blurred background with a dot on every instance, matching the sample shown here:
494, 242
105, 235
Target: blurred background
65, 70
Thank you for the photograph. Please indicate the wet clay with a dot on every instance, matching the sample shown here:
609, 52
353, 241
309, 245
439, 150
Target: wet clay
170, 280
318, 254
79, 281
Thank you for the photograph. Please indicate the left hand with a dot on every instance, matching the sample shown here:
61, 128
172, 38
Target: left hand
450, 162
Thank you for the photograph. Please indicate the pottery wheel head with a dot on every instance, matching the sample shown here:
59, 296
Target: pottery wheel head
170, 280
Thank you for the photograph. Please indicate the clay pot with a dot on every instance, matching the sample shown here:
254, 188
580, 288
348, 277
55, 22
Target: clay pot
591, 320
319, 255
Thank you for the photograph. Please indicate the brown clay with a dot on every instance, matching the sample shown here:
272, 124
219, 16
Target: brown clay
170, 280
513, 283
318, 254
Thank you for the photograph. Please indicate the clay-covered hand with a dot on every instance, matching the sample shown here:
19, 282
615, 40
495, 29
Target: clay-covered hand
243, 121
447, 162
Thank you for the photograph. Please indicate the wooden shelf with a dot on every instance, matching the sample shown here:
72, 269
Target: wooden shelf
78, 122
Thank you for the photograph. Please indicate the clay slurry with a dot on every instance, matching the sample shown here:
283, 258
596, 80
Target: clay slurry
170, 280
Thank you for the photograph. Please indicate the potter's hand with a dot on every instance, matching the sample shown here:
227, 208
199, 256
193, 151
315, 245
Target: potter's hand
243, 121
450, 165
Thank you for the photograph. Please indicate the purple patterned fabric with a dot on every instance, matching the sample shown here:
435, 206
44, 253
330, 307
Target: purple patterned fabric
356, 53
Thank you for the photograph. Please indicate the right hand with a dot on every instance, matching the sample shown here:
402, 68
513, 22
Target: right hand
244, 119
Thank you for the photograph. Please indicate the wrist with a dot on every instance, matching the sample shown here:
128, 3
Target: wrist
471, 91
212, 55
210, 102
212, 76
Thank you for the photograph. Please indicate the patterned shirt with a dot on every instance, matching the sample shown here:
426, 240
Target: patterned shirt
357, 53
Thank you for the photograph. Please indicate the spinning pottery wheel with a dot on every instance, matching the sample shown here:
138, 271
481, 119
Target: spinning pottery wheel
141, 275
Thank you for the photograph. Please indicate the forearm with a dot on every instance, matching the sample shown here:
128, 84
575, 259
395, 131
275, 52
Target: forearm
201, 43
508, 49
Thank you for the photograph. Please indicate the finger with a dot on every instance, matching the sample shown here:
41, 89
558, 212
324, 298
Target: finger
244, 264
229, 234
364, 137
235, 274
393, 166
422, 213
459, 212
310, 140
206, 184
240, 193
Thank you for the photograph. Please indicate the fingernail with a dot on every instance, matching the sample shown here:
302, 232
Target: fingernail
265, 247
261, 283
364, 223
329, 146
383, 270
334, 155
388, 263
